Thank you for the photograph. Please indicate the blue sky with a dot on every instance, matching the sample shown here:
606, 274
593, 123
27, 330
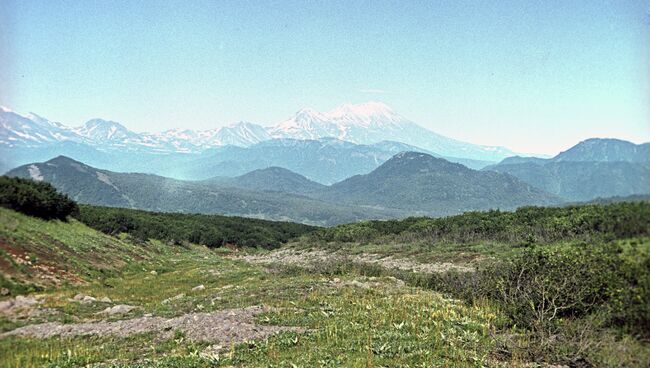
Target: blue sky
536, 76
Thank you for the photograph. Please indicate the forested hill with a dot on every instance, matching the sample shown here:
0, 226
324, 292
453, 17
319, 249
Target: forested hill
420, 182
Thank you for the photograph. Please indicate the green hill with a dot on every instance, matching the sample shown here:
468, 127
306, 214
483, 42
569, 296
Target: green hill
274, 179
420, 182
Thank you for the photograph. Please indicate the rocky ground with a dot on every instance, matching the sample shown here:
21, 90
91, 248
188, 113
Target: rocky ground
312, 258
221, 328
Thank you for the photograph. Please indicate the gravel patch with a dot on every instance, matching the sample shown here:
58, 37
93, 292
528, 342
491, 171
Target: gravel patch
311, 258
224, 327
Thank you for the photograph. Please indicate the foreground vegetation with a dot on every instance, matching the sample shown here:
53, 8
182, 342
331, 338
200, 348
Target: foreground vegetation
41, 199
566, 281
539, 286
344, 324
35, 199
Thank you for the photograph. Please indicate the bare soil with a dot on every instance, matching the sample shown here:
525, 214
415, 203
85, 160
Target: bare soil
224, 327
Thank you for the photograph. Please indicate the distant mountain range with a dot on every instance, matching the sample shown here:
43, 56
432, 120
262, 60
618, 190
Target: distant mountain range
407, 184
326, 160
367, 123
355, 162
595, 168
87, 184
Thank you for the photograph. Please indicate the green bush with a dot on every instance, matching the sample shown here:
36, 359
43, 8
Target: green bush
543, 285
38, 199
209, 230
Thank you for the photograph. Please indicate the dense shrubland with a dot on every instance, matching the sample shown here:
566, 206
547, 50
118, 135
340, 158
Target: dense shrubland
33, 198
210, 230
527, 225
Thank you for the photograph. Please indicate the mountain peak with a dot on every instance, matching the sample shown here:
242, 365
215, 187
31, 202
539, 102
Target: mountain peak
413, 162
102, 123
104, 130
63, 160
306, 115
606, 150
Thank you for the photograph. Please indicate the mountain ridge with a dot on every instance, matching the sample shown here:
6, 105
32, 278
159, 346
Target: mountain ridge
435, 187
589, 170
365, 123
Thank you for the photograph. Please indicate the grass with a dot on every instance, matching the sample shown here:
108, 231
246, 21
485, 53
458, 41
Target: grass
37, 254
346, 325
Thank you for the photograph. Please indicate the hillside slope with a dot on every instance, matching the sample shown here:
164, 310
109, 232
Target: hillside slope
35, 253
417, 181
273, 179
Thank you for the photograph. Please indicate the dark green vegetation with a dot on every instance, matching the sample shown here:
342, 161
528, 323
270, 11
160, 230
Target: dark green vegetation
89, 185
35, 199
525, 226
591, 169
209, 230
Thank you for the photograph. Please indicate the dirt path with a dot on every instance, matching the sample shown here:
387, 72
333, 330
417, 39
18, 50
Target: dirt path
311, 258
223, 327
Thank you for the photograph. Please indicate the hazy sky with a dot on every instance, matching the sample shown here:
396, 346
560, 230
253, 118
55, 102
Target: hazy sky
536, 76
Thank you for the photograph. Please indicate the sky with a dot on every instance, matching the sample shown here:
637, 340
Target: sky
534, 76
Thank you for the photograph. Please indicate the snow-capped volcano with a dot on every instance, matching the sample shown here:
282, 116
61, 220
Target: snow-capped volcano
373, 122
311, 124
366, 123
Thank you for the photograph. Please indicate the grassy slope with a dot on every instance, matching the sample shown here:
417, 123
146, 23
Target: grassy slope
37, 254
